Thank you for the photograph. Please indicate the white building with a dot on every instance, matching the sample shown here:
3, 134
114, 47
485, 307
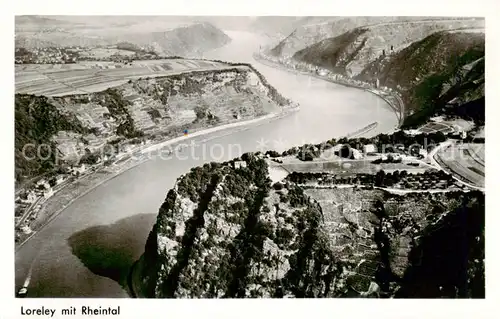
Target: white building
356, 154
412, 132
187, 115
59, 179
25, 229
80, 169
240, 164
48, 193
423, 152
322, 72
395, 156
43, 183
369, 148
31, 197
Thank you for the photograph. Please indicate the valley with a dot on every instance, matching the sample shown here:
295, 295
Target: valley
348, 160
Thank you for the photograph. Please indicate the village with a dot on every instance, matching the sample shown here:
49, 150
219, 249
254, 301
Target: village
407, 161
73, 54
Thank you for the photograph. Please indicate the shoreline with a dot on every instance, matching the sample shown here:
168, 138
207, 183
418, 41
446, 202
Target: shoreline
399, 112
240, 124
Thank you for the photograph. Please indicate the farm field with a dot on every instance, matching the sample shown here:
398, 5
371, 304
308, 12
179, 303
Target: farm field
345, 167
448, 126
434, 127
464, 160
480, 133
87, 77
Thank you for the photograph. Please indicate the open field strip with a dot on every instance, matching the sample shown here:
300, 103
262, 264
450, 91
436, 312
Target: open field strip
28, 77
464, 168
475, 152
66, 82
33, 84
50, 82
96, 87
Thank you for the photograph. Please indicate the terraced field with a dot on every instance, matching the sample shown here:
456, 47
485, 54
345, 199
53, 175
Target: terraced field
436, 127
86, 77
466, 161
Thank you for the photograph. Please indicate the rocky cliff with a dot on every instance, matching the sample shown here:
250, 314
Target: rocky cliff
351, 52
160, 107
317, 29
225, 232
445, 68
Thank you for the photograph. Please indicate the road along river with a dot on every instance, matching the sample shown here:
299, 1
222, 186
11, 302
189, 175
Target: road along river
87, 250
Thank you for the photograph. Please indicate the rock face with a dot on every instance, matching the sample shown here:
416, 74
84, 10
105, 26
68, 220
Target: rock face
385, 29
444, 68
436, 66
222, 232
226, 232
161, 106
352, 51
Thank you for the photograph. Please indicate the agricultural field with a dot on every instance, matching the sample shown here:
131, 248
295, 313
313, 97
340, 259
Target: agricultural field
87, 77
346, 167
448, 126
466, 161
434, 127
480, 133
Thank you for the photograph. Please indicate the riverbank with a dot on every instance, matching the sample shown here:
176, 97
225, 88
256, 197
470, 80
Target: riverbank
391, 98
64, 197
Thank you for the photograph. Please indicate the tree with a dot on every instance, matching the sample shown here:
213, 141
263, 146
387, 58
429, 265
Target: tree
379, 178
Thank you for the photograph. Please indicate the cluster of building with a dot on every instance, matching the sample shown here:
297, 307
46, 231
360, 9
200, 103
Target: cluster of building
29, 201
425, 181
50, 55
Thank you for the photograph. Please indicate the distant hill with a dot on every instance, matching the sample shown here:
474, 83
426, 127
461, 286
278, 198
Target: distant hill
436, 64
191, 39
442, 69
314, 32
350, 52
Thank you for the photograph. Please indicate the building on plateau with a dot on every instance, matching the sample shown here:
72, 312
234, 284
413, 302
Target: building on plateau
369, 148
240, 164
48, 193
322, 72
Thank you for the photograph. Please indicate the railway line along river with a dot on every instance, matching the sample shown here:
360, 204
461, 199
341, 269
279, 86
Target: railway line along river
87, 250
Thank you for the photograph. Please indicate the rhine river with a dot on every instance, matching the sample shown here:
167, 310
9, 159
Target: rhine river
87, 249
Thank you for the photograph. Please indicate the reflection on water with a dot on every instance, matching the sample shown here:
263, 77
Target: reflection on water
110, 250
